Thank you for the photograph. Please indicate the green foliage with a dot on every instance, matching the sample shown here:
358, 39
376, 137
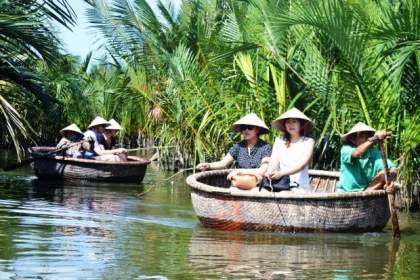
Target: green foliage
213, 61
26, 36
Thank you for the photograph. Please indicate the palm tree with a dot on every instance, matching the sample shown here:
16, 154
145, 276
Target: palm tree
27, 36
362, 60
212, 61
177, 61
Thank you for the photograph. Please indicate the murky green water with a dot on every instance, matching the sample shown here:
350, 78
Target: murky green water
52, 231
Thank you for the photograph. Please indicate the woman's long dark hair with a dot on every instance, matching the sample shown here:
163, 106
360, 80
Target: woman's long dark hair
303, 131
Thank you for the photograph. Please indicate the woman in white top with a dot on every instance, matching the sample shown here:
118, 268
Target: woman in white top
292, 152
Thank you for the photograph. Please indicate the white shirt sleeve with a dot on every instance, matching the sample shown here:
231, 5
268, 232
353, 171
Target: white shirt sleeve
91, 134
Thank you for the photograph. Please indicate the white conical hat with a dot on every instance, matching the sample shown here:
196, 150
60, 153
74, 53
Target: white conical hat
98, 121
250, 119
292, 114
359, 127
71, 127
114, 125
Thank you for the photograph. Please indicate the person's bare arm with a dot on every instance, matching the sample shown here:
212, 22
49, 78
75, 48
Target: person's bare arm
362, 148
274, 160
102, 152
259, 172
221, 164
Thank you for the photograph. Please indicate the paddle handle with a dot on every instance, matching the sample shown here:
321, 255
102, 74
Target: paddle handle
67, 146
148, 148
396, 234
384, 161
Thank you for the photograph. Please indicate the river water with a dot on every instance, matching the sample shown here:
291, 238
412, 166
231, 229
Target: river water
64, 231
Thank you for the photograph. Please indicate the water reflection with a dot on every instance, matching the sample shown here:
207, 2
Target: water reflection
56, 231
280, 256
101, 199
78, 231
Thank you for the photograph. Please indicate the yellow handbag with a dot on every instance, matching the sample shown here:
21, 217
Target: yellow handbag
245, 181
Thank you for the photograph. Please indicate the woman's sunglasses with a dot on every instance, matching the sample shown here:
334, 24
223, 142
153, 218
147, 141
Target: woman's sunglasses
249, 127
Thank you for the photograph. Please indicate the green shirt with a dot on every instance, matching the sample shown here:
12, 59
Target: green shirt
357, 173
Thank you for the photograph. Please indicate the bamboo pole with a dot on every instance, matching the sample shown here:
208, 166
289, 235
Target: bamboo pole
149, 148
28, 161
166, 179
396, 234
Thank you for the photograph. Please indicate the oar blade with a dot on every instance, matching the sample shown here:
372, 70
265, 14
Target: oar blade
18, 165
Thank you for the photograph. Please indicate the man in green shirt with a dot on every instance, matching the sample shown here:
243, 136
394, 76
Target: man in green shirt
361, 163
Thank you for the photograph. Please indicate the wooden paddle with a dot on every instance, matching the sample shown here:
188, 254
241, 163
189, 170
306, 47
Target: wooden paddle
29, 160
396, 234
149, 148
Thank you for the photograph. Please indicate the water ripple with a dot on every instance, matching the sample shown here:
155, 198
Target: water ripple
50, 231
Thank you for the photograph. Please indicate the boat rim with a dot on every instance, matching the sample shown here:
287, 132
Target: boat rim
192, 181
81, 160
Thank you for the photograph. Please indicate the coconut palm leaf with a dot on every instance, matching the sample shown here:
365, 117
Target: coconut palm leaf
15, 126
26, 36
194, 72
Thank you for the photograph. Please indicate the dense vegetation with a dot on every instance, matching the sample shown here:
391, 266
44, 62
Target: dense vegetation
183, 76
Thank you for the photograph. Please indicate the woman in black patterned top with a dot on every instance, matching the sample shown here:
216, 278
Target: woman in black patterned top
251, 154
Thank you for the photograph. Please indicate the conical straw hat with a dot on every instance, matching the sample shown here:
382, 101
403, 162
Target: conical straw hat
250, 119
114, 125
292, 114
73, 128
359, 127
98, 121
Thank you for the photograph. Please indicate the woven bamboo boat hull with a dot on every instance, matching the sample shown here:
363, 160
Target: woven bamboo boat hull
72, 169
217, 205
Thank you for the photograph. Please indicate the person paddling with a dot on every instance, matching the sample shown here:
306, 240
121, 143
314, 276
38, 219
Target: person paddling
251, 154
95, 133
71, 134
361, 163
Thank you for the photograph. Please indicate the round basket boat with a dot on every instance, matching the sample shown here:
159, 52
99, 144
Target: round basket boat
218, 205
75, 169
